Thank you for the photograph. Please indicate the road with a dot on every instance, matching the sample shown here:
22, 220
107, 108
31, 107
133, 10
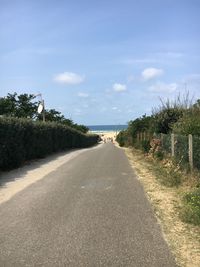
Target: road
91, 211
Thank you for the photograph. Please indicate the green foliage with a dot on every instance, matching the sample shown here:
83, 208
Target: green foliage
52, 115
169, 113
189, 123
18, 106
81, 128
159, 155
169, 176
196, 151
166, 118
22, 139
122, 138
129, 136
145, 144
190, 212
143, 124
22, 106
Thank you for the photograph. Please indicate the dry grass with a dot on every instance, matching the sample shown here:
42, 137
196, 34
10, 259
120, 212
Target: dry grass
183, 239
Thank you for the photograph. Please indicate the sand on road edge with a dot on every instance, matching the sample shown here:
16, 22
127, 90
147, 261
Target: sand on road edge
16, 180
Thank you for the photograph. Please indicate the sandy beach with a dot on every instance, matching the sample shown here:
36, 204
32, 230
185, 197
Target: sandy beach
107, 136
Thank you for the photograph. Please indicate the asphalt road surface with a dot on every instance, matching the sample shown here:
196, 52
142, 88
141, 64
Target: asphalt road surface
91, 211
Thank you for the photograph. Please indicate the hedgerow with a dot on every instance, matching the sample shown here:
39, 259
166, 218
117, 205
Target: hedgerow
22, 140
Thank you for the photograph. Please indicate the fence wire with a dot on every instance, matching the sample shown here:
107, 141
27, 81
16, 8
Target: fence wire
181, 150
166, 143
196, 152
182, 154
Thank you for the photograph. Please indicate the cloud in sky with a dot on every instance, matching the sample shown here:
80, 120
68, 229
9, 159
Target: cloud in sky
118, 87
97, 50
69, 78
83, 95
151, 73
163, 87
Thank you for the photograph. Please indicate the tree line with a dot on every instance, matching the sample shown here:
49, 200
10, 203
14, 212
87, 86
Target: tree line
180, 116
25, 106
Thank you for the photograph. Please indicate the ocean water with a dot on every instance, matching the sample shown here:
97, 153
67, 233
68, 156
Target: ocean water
107, 128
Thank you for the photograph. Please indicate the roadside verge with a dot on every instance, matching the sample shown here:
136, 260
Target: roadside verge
183, 239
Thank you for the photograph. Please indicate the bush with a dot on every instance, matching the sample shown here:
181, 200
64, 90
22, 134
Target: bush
145, 145
190, 212
168, 174
22, 140
122, 138
159, 154
170, 178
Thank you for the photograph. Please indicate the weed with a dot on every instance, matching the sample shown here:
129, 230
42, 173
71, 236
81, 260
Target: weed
190, 211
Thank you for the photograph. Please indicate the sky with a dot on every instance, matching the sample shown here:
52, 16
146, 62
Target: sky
100, 61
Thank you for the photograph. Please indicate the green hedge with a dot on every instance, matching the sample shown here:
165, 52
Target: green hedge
22, 140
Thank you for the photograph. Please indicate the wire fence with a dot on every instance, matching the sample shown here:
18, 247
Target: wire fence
183, 149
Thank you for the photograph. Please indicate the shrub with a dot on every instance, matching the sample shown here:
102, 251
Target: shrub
168, 174
22, 139
122, 138
145, 145
190, 212
159, 154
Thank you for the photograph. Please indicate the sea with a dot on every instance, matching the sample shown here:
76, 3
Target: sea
107, 128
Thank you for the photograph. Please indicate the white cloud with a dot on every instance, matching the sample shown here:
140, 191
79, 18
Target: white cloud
151, 73
114, 108
84, 95
69, 78
163, 87
118, 87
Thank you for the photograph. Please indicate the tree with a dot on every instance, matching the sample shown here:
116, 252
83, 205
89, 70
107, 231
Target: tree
52, 115
165, 119
81, 128
18, 106
7, 106
142, 124
22, 106
189, 123
170, 112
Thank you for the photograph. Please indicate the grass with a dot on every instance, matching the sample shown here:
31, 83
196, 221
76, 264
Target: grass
190, 211
169, 174
175, 198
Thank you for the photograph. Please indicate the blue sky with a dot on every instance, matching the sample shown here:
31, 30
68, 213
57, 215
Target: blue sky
100, 62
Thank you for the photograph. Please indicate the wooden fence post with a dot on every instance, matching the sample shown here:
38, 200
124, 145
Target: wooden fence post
172, 145
190, 152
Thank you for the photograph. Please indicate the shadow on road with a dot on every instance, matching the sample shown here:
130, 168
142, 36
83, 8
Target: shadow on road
16, 174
